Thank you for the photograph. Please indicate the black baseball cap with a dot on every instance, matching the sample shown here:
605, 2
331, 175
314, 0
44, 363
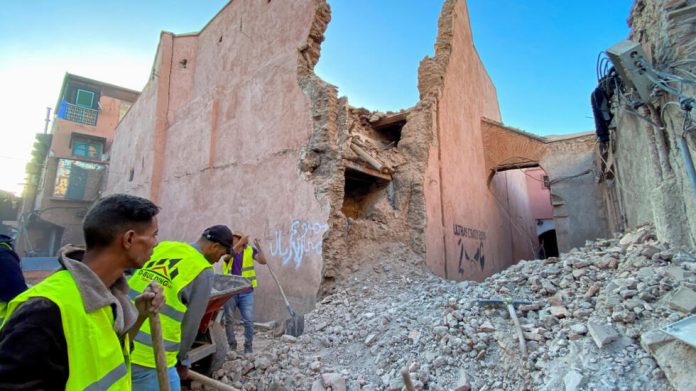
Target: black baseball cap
219, 234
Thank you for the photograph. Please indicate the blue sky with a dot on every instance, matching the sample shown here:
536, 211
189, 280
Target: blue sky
540, 54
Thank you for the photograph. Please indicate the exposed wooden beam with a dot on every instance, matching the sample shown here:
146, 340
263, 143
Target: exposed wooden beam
390, 120
365, 170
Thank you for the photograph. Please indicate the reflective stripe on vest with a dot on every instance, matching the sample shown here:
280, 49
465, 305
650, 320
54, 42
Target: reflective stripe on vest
248, 271
3, 310
96, 358
173, 266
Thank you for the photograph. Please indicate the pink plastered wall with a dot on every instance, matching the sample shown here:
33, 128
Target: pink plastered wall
539, 195
222, 138
468, 219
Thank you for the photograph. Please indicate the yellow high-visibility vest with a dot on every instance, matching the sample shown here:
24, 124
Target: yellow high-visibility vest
96, 358
3, 311
3, 305
173, 266
248, 270
227, 266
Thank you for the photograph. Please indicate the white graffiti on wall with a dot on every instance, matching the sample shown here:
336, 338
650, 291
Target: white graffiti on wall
304, 237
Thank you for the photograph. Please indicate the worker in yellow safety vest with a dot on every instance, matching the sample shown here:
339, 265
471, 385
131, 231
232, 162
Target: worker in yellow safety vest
11, 277
241, 263
73, 330
185, 272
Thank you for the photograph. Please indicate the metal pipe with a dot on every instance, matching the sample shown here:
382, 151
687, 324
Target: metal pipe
688, 161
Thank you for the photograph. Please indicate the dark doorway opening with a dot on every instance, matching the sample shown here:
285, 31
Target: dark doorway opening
389, 128
361, 192
548, 245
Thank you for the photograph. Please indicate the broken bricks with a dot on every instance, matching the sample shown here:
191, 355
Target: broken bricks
602, 334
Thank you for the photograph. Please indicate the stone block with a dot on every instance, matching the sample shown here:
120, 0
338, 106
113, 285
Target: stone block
573, 380
675, 358
602, 334
653, 339
676, 273
335, 381
318, 386
486, 327
463, 381
683, 299
559, 311
683, 257
289, 338
370, 339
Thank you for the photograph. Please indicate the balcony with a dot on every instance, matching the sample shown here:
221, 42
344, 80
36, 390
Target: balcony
79, 114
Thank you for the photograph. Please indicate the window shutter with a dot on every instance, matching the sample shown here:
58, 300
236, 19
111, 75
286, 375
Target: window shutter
84, 98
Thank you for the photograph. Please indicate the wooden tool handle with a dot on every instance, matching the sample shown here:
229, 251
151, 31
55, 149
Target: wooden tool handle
279, 287
520, 335
407, 380
160, 358
210, 382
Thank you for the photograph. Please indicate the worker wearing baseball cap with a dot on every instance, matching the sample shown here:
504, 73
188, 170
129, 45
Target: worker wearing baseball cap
241, 263
185, 272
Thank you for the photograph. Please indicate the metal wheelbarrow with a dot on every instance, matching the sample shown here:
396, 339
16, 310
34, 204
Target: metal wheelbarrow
209, 350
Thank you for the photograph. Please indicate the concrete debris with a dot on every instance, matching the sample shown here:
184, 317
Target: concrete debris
675, 359
376, 324
573, 380
684, 300
602, 334
335, 381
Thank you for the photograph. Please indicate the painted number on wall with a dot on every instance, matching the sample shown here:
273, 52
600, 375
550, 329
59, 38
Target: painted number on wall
467, 236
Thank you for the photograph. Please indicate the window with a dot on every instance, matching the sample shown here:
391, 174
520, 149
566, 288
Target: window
84, 98
88, 149
76, 180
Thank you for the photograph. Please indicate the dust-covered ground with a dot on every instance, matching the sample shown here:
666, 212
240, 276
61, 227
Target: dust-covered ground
392, 313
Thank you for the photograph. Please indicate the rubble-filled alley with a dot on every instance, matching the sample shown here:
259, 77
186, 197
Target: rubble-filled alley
590, 326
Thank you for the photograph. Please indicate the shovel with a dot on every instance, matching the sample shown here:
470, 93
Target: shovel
295, 325
161, 362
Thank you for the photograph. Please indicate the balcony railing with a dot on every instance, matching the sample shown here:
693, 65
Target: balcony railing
83, 115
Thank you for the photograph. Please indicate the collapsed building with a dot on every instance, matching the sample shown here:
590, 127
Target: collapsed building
234, 127
646, 127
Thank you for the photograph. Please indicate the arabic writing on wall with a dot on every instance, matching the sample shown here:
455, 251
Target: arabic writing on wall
301, 239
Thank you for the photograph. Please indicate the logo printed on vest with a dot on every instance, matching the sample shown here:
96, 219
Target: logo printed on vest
163, 271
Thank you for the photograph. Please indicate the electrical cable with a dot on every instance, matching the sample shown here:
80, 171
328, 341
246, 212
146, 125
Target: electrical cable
688, 73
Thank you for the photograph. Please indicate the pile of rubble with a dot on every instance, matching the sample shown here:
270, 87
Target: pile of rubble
590, 326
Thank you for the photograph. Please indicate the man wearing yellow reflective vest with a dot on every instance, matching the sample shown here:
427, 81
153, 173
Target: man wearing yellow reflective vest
11, 277
241, 263
185, 272
72, 331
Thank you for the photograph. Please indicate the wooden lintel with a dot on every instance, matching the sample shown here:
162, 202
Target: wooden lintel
390, 120
507, 167
365, 170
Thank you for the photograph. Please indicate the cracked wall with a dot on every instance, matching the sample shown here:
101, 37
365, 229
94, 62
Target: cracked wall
645, 174
235, 128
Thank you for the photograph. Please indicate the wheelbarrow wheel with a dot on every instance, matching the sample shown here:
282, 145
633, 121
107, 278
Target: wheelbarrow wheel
208, 365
